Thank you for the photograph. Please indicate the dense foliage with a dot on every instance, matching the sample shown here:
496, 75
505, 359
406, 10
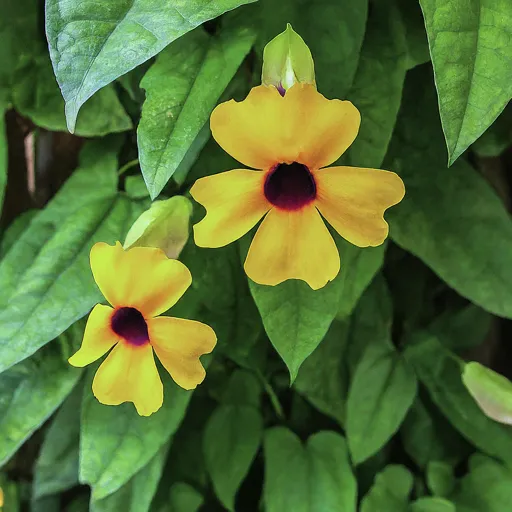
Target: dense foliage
347, 398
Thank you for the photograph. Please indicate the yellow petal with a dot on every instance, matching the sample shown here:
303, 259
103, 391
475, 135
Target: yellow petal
129, 374
293, 245
354, 200
140, 277
303, 126
178, 343
98, 337
234, 203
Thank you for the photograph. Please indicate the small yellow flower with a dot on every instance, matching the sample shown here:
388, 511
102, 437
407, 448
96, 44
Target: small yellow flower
291, 139
140, 283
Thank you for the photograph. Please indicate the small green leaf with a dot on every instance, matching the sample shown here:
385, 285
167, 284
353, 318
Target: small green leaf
492, 391
110, 457
165, 226
383, 385
458, 207
231, 439
323, 377
120, 37
56, 469
440, 478
184, 498
287, 60
378, 83
430, 504
390, 491
333, 31
295, 317
316, 477
440, 371
182, 88
29, 393
36, 95
487, 487
136, 494
472, 58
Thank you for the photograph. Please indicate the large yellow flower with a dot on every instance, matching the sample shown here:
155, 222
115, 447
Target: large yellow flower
140, 283
291, 138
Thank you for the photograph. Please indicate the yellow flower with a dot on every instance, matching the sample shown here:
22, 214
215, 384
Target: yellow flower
140, 283
290, 139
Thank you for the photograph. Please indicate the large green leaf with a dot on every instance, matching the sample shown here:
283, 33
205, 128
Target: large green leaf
377, 87
333, 31
31, 391
232, 437
431, 504
382, 390
56, 469
109, 457
182, 88
323, 377
452, 220
390, 491
472, 58
45, 279
487, 487
92, 44
136, 494
316, 477
440, 371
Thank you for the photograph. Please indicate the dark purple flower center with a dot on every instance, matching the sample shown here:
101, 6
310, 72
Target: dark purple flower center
130, 325
290, 186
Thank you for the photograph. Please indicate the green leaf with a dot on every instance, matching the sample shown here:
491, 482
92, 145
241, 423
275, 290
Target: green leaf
472, 58
430, 504
487, 487
36, 95
232, 436
440, 371
323, 377
136, 494
378, 83
119, 36
45, 278
3, 155
333, 31
184, 498
295, 317
457, 207
440, 478
164, 225
383, 385
492, 391
109, 457
182, 88
56, 469
231, 440
390, 491
313, 478
29, 393
427, 436
14, 231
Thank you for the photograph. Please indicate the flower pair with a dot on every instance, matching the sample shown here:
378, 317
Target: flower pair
291, 137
